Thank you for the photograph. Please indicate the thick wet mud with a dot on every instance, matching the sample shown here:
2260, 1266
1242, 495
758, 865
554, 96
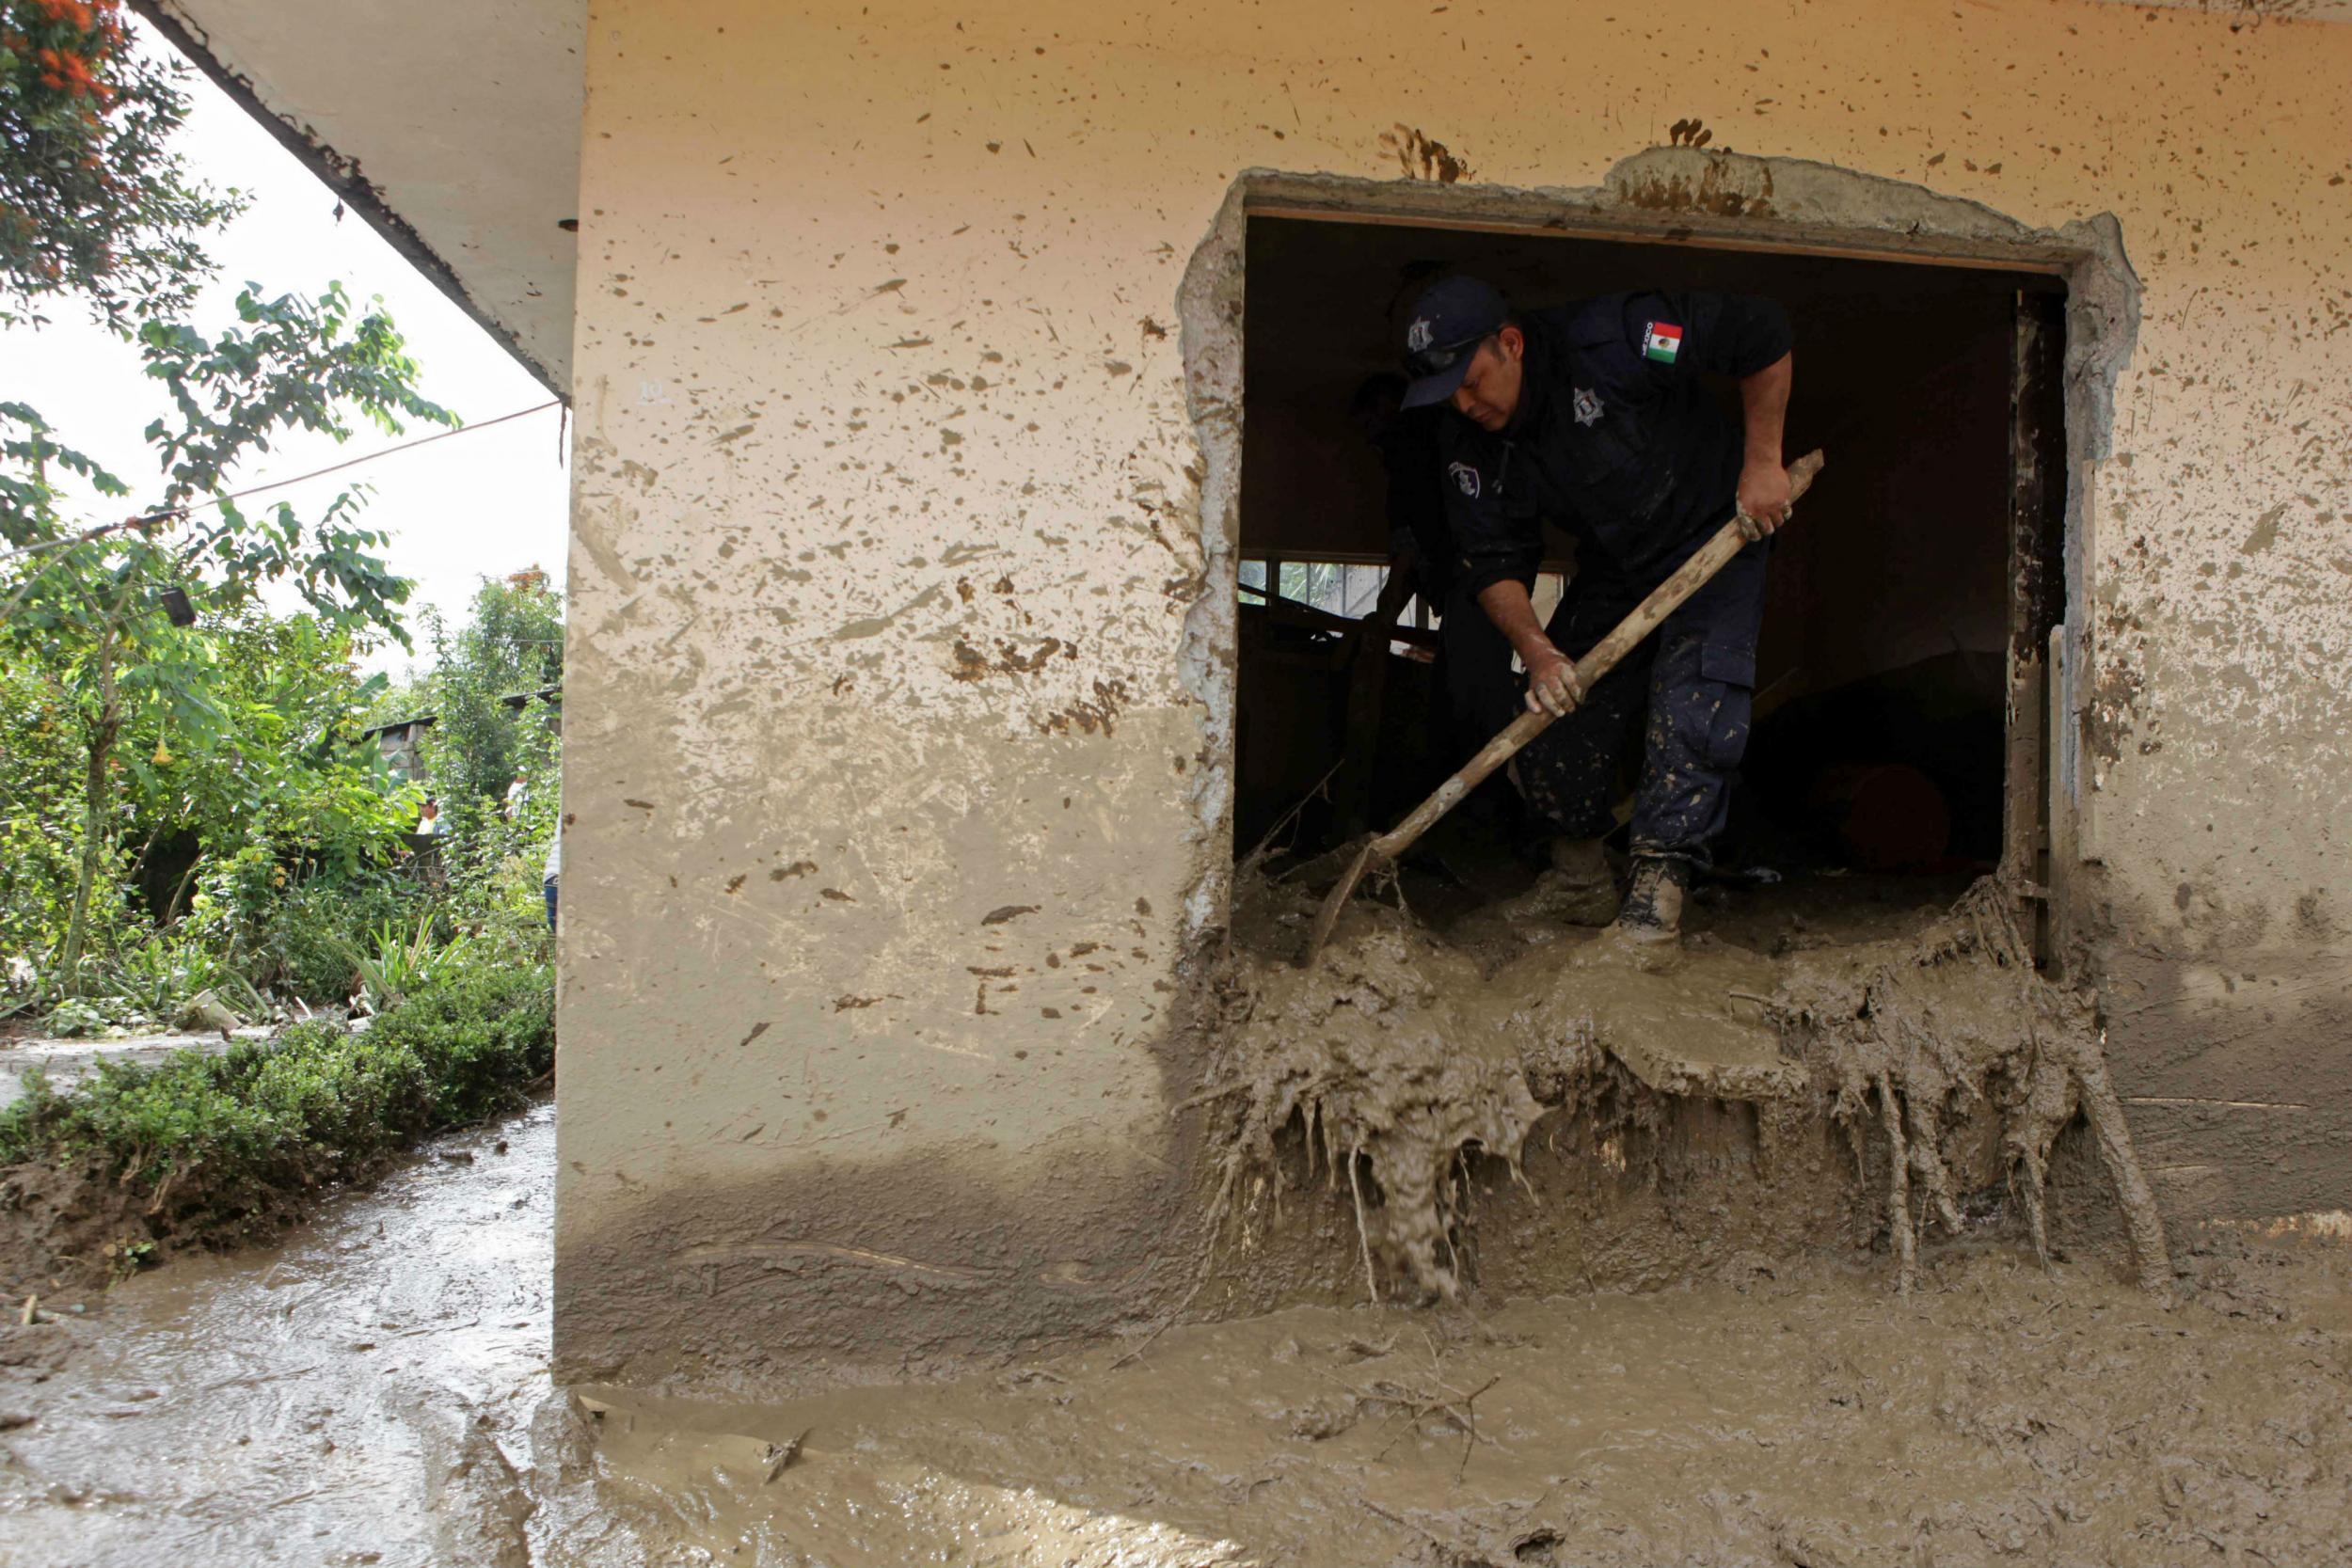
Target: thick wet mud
1888, 1080
1996, 1414
362, 1394
376, 1392
1763, 1248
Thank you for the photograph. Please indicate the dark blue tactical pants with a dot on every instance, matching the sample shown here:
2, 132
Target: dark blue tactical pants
1692, 680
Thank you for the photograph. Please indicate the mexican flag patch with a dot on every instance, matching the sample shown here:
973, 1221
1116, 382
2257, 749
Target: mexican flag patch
1661, 343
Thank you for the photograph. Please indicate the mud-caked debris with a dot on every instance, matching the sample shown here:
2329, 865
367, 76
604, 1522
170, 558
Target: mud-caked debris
1390, 1058
1399, 1058
1957, 1025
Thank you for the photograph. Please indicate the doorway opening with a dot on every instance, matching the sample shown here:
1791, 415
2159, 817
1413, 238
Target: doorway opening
1899, 743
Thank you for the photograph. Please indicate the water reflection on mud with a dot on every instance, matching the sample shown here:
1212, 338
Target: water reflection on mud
378, 1392
325, 1401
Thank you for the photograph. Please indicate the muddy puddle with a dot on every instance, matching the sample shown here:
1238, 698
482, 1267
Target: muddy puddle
376, 1392
355, 1396
1998, 1414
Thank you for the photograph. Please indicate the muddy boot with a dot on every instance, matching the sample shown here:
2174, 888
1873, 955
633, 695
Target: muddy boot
1653, 905
1577, 890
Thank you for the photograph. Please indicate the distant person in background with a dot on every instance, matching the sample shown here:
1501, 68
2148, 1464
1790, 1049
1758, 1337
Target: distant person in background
554, 868
430, 822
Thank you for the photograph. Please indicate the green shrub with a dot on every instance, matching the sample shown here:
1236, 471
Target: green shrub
305, 944
219, 1139
481, 1032
397, 962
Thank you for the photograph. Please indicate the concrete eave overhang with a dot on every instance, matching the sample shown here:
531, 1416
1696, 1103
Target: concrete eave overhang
451, 127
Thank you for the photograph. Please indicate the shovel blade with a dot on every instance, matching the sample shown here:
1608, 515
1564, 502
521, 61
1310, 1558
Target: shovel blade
1327, 917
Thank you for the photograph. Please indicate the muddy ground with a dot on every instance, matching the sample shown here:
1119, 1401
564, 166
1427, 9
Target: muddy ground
68, 1062
376, 1392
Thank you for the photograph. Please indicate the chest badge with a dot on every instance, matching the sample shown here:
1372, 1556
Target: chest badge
1587, 407
1465, 478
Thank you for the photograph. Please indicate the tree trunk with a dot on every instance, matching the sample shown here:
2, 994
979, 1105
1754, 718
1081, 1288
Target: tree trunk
172, 910
101, 745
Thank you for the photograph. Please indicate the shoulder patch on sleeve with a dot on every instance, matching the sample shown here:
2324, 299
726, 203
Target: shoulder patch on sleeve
1465, 478
1661, 343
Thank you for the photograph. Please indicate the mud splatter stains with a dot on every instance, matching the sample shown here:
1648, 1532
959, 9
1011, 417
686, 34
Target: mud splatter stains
1422, 157
1723, 187
2266, 531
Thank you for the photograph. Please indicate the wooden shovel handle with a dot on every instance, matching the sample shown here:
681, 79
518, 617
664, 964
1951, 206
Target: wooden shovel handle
1664, 601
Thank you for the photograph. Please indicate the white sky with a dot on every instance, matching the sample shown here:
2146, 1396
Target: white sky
482, 503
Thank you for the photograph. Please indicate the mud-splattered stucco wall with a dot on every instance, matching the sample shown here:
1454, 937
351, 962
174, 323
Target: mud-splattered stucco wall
895, 770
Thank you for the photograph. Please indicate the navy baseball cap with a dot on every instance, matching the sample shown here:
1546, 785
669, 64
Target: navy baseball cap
1449, 321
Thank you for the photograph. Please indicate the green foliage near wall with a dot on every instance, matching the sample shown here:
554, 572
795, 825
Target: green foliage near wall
218, 1144
482, 746
511, 642
94, 613
259, 837
272, 840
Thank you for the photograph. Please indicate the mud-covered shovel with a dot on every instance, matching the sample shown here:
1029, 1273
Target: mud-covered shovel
1689, 578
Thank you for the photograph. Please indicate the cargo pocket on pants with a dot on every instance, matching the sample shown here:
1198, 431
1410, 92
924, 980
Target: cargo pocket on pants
1730, 669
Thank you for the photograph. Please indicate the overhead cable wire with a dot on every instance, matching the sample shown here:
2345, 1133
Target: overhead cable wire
170, 512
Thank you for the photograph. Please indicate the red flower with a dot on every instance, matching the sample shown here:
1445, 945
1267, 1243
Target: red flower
67, 73
78, 14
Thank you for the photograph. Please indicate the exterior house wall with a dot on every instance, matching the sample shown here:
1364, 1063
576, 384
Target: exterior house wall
895, 779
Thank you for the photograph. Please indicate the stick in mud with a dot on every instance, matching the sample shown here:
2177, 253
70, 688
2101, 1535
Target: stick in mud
1899, 1191
1356, 1190
780, 1457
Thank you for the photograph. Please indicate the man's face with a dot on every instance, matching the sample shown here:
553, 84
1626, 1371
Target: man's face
1490, 393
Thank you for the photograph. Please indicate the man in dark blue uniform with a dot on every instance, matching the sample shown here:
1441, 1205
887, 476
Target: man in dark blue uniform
1594, 415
